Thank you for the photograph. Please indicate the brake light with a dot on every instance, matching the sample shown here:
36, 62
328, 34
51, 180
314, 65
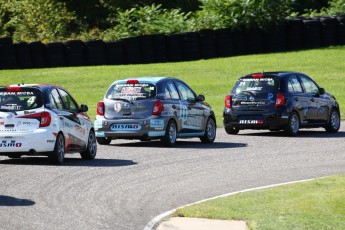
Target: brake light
157, 108
45, 119
132, 82
257, 75
228, 101
14, 89
280, 100
100, 108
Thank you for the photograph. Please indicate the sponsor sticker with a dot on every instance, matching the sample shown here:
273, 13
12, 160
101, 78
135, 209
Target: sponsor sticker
117, 107
157, 123
10, 144
251, 122
125, 127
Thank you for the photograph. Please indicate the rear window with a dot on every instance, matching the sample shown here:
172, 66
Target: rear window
131, 92
18, 99
257, 85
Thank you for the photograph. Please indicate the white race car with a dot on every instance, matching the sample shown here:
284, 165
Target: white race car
44, 120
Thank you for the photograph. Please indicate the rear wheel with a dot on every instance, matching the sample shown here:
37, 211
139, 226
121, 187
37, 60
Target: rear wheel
334, 122
292, 127
210, 132
231, 130
91, 150
58, 155
103, 140
170, 136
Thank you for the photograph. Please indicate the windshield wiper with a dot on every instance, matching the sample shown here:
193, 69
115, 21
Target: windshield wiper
122, 99
8, 110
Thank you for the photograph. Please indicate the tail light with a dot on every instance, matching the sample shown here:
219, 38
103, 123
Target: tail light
157, 108
227, 101
280, 100
44, 118
100, 108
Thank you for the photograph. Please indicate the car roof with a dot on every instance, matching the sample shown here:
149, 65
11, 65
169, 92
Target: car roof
144, 79
279, 74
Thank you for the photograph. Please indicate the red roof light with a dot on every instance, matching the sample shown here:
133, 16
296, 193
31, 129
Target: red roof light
132, 82
14, 89
257, 75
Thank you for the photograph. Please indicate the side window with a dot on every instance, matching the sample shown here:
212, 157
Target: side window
167, 93
310, 86
185, 92
68, 101
55, 100
294, 85
173, 91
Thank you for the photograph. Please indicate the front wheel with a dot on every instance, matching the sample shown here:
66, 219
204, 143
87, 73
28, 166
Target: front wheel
91, 149
103, 140
210, 132
231, 130
170, 136
58, 155
292, 127
334, 122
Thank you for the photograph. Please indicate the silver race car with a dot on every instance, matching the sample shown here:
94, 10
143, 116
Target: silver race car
149, 108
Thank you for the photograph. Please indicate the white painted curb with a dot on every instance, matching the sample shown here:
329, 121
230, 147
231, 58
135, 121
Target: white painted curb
153, 224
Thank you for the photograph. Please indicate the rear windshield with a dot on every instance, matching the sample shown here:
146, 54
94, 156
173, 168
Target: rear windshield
257, 85
131, 92
19, 99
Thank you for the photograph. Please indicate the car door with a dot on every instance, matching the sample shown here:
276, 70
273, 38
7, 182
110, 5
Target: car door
191, 112
300, 100
318, 109
72, 123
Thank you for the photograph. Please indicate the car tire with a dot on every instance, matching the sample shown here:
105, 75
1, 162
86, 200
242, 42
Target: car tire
333, 124
170, 136
91, 149
231, 130
210, 131
103, 140
293, 125
58, 155
15, 156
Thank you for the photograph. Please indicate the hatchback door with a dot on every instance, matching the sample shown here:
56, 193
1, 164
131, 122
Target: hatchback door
255, 93
129, 100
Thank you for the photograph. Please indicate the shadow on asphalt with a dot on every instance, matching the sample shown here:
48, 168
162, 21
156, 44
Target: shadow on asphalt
182, 144
75, 162
12, 201
302, 134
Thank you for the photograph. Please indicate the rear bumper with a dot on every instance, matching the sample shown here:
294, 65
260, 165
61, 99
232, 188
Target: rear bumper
131, 129
40, 140
254, 120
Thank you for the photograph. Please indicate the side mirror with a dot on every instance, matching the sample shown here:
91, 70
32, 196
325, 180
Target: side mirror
84, 108
322, 91
201, 98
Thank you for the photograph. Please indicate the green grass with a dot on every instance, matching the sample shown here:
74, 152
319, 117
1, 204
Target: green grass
214, 78
318, 204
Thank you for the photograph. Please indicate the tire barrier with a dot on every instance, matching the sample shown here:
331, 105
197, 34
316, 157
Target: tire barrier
311, 33
94, 52
294, 34
114, 52
7, 54
55, 53
75, 53
38, 55
22, 50
207, 44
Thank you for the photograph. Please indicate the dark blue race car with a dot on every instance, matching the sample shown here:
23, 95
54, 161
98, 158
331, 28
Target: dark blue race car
279, 101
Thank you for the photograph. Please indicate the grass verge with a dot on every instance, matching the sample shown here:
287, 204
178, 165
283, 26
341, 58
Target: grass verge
214, 78
317, 204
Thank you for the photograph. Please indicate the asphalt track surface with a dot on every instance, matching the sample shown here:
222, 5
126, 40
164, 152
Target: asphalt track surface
131, 182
